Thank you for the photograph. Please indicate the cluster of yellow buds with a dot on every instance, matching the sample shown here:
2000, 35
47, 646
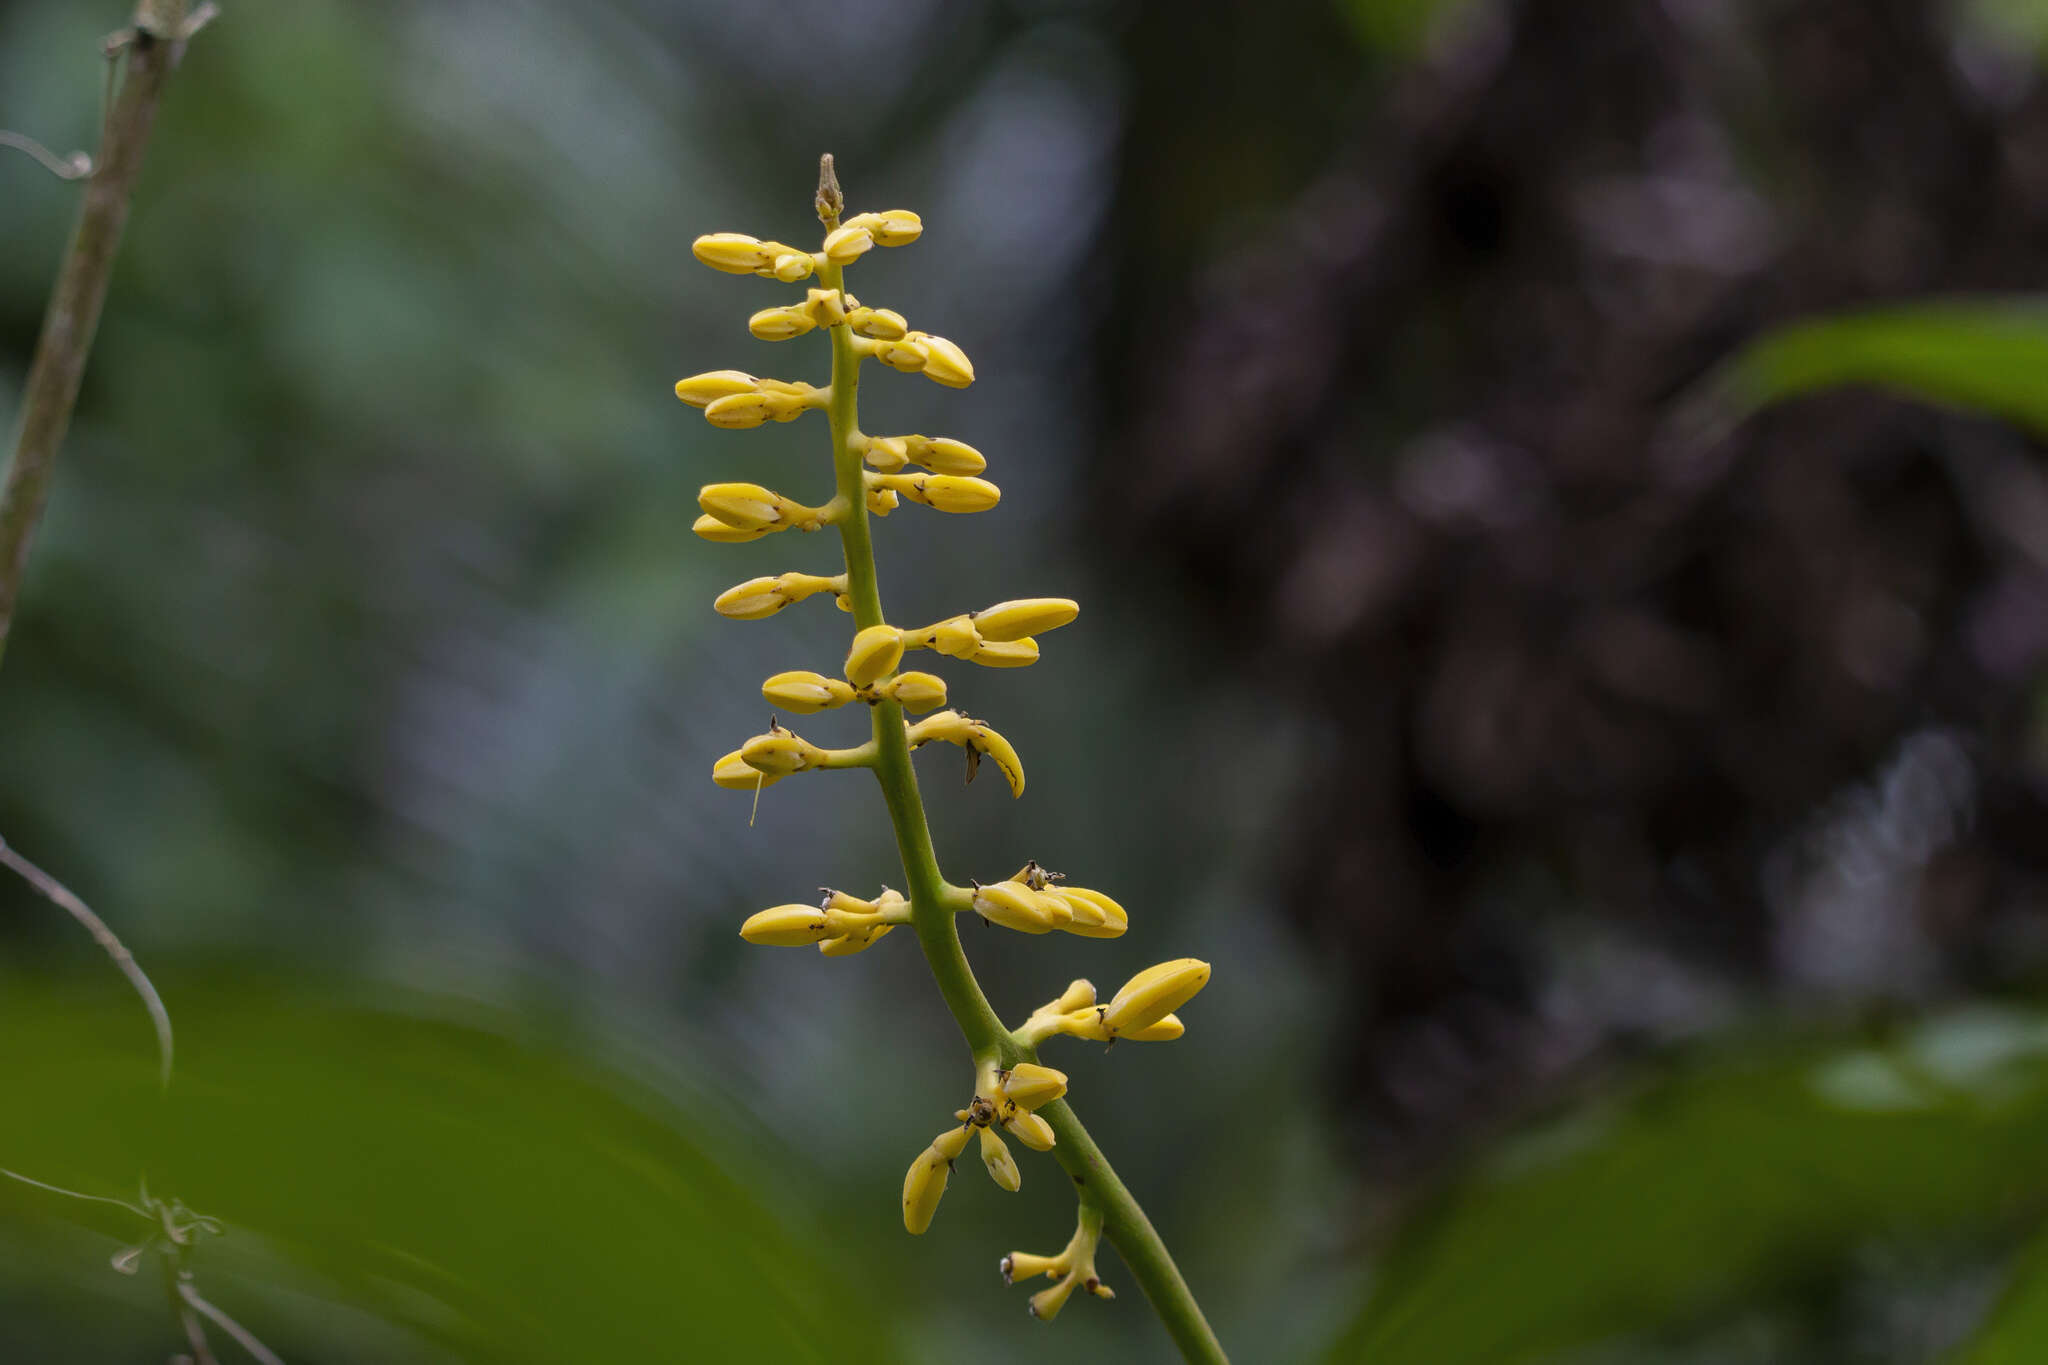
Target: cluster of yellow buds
1003, 1098
841, 925
1030, 903
874, 475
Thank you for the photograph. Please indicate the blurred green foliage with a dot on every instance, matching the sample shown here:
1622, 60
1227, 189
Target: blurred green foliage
1985, 355
1744, 1176
426, 1167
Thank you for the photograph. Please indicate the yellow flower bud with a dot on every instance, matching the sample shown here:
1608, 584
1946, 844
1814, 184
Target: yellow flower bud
701, 390
825, 307
747, 506
923, 1186
955, 637
1030, 1086
1031, 1130
792, 266
780, 324
849, 944
1079, 995
805, 693
1002, 1167
891, 227
1095, 915
905, 355
736, 774
1046, 1303
885, 453
786, 926
876, 652
879, 324
1159, 1031
944, 361
739, 412
1016, 906
777, 255
712, 529
1153, 994
754, 600
944, 455
847, 244
733, 252
881, 501
950, 493
780, 753
915, 692
1024, 616
1007, 654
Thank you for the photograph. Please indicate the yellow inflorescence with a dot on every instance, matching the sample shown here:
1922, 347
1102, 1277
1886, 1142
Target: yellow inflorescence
945, 474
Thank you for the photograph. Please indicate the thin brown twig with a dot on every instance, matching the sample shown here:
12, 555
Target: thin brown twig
60, 895
81, 291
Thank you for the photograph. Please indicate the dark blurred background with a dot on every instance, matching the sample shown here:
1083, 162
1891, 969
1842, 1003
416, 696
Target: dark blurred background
1622, 839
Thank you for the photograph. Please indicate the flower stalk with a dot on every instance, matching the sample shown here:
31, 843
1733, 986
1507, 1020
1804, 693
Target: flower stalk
1015, 1096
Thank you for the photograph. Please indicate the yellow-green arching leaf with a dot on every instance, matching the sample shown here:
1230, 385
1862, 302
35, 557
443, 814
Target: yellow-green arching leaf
401, 1180
1984, 355
1731, 1179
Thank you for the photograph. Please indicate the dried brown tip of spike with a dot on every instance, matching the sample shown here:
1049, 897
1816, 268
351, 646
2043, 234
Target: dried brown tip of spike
830, 202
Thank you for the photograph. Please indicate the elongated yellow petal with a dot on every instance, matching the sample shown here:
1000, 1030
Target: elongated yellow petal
746, 506
1005, 758
780, 324
805, 693
944, 455
787, 926
847, 945
740, 411
736, 774
1153, 994
923, 1186
1002, 1167
1005, 654
733, 252
1029, 1085
1031, 1130
881, 324
891, 227
712, 529
945, 362
1024, 616
954, 493
1016, 906
1095, 915
701, 390
779, 755
847, 244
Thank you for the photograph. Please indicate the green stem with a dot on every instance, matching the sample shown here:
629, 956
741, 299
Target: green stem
932, 913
